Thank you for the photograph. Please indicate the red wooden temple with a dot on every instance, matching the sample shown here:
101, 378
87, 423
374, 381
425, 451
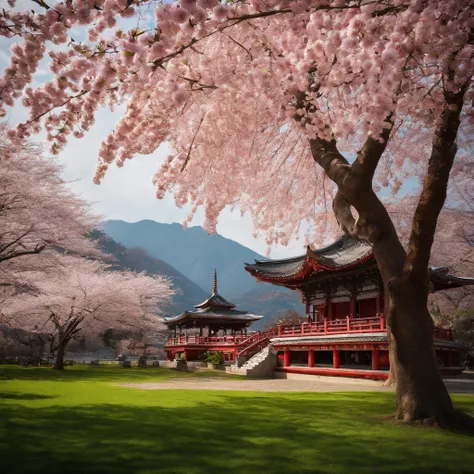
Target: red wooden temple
344, 333
214, 325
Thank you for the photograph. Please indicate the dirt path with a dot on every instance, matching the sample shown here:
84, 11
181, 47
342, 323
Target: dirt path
319, 384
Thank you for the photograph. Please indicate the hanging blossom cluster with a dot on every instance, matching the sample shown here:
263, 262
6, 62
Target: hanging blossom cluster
240, 88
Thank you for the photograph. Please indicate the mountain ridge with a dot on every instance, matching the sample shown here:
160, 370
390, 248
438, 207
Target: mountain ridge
195, 254
191, 251
137, 259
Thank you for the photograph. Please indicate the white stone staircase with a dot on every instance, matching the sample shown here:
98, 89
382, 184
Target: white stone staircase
261, 365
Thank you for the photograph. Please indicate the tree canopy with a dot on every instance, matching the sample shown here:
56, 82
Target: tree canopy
240, 89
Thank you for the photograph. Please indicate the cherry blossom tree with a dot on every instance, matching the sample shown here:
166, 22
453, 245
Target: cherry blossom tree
85, 298
38, 215
278, 106
454, 246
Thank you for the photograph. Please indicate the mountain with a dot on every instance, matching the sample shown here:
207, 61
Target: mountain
271, 301
191, 251
137, 259
196, 254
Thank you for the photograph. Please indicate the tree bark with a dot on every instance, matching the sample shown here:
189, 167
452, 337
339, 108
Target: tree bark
421, 393
59, 362
392, 376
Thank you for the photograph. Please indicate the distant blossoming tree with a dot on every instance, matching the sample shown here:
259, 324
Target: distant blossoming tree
85, 298
38, 215
259, 100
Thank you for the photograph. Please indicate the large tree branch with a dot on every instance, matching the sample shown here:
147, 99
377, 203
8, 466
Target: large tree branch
38, 249
15, 241
354, 184
435, 185
369, 156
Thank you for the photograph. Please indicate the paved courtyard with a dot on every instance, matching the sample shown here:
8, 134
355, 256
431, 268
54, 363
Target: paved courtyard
319, 384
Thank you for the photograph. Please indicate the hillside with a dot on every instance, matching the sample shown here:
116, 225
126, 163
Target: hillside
191, 251
139, 260
195, 254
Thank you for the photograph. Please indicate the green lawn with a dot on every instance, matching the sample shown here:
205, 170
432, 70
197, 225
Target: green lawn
77, 422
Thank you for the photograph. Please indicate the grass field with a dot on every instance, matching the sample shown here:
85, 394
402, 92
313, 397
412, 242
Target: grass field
78, 422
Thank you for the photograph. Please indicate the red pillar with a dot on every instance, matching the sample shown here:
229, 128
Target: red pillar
329, 306
286, 358
336, 358
375, 359
308, 315
311, 358
353, 306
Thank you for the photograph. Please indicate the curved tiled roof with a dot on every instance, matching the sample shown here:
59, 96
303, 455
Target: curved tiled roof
343, 253
442, 280
216, 300
216, 314
346, 252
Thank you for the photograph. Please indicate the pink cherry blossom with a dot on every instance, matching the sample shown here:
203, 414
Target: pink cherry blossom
218, 81
85, 297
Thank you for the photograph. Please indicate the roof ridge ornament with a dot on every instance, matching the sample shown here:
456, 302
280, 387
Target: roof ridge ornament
214, 290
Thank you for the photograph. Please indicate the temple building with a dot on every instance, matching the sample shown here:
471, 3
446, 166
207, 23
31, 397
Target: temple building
214, 325
344, 333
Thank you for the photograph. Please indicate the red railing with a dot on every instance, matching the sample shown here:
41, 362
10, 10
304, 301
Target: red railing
336, 326
255, 340
444, 334
205, 340
347, 326
248, 344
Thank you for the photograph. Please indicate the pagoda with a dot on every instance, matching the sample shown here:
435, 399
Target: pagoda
345, 332
214, 325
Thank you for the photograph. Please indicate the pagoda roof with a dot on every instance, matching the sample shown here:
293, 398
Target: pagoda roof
441, 279
215, 308
346, 252
214, 314
343, 254
215, 300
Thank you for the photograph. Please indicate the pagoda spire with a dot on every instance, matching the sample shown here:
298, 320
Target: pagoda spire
215, 282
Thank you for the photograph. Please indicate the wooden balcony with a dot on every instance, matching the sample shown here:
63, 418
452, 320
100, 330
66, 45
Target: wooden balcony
337, 326
322, 328
349, 326
206, 341
443, 334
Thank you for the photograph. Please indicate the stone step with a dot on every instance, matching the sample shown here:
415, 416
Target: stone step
261, 364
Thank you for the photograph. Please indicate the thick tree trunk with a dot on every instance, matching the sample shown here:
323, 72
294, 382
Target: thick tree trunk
421, 393
420, 390
59, 362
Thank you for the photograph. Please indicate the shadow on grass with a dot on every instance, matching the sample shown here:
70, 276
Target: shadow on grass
197, 433
24, 396
111, 373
